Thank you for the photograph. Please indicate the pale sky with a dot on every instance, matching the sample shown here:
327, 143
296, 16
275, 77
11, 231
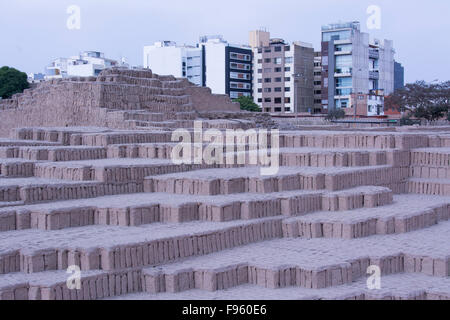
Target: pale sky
33, 32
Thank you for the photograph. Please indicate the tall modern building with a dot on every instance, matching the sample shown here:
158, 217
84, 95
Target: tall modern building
283, 76
399, 76
213, 62
167, 58
228, 68
86, 64
357, 72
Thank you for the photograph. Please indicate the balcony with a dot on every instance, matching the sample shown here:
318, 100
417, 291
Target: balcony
343, 72
374, 75
374, 54
376, 92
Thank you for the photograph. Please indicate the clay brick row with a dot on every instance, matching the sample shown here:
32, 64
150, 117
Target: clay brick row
61, 172
9, 152
237, 185
105, 139
7, 221
15, 292
162, 251
9, 194
17, 169
430, 158
429, 172
154, 252
430, 187
439, 267
10, 262
92, 287
367, 177
137, 173
348, 200
33, 194
302, 204
365, 227
341, 140
42, 134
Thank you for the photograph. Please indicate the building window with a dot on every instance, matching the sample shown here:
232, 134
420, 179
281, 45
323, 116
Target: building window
267, 50
240, 75
277, 60
259, 60
287, 69
267, 89
267, 100
287, 89
267, 70
278, 109
288, 60
235, 95
267, 60
259, 80
287, 79
287, 48
317, 91
277, 49
317, 83
278, 89
240, 56
278, 69
287, 100
239, 85
259, 50
277, 100
259, 70
259, 100
259, 90
278, 79
267, 80
240, 66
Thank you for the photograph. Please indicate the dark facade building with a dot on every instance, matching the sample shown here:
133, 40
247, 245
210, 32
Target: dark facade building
399, 76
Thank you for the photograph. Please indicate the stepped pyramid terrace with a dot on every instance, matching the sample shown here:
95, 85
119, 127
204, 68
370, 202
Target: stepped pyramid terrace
88, 179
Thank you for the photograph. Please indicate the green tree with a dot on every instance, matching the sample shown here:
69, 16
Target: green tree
247, 104
430, 101
12, 81
335, 114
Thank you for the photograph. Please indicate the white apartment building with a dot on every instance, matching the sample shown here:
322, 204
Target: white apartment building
86, 64
213, 63
167, 58
228, 68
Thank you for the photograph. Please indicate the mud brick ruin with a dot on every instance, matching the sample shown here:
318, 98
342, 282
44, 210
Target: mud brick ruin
86, 179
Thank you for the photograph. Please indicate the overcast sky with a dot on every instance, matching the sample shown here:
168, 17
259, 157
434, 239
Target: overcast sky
33, 32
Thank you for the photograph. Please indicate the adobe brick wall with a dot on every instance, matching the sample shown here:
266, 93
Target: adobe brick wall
88, 101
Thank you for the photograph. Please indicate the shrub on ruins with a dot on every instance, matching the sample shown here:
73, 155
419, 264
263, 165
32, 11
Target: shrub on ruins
12, 81
335, 114
247, 104
422, 100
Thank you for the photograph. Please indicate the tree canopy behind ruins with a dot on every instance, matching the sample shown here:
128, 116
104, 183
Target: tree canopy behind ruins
12, 81
430, 101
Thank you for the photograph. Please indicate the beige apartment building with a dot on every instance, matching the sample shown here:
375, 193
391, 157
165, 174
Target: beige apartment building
283, 75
